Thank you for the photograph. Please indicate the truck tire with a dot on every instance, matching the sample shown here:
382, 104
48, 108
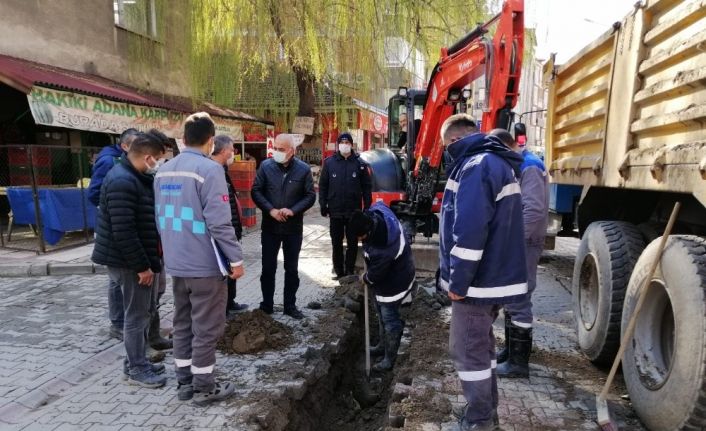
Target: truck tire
604, 262
664, 366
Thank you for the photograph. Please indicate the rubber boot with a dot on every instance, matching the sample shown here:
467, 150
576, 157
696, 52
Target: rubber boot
379, 349
517, 364
503, 353
392, 344
156, 341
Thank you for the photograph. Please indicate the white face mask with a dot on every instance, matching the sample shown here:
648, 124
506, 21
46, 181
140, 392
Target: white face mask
279, 156
152, 170
344, 148
231, 160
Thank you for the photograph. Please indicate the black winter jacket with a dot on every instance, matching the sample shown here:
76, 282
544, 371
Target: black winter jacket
126, 232
279, 186
235, 213
344, 185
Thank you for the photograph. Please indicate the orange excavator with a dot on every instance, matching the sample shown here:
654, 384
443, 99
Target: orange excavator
409, 177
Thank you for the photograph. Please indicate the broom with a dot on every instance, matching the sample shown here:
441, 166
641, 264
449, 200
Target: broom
604, 419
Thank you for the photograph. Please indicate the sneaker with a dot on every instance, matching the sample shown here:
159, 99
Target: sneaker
185, 391
156, 368
294, 313
147, 379
115, 332
220, 392
266, 310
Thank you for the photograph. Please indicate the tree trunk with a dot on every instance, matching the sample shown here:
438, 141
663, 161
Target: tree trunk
307, 98
305, 80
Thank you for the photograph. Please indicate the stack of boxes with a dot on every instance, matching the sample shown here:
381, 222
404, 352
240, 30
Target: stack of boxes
242, 173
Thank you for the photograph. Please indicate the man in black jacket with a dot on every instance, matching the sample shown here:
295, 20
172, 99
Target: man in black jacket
107, 158
223, 153
127, 242
344, 187
283, 190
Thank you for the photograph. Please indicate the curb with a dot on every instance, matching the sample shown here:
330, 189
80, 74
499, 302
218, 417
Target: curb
44, 269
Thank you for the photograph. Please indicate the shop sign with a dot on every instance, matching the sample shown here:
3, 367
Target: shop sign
373, 122
303, 125
270, 140
77, 111
226, 126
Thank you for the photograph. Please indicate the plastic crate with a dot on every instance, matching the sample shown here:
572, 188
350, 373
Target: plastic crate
242, 180
243, 165
246, 203
243, 194
249, 221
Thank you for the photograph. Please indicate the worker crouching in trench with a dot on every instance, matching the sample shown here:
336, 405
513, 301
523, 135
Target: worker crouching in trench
389, 272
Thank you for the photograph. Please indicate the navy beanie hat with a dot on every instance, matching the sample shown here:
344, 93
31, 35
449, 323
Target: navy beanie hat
344, 135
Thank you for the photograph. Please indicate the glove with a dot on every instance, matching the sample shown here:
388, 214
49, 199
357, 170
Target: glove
324, 211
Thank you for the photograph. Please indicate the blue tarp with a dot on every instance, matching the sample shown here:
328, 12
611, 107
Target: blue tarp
61, 210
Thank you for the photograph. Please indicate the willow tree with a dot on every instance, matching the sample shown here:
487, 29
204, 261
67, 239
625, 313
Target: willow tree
232, 46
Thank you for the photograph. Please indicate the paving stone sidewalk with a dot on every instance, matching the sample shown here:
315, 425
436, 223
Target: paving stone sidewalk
560, 393
59, 370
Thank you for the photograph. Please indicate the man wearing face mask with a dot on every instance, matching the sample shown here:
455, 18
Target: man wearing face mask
283, 190
223, 154
344, 187
127, 242
200, 248
513, 360
481, 257
107, 158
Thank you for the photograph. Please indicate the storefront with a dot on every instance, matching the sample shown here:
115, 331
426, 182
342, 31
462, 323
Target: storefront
53, 122
367, 124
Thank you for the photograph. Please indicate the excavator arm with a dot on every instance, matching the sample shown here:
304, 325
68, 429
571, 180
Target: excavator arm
499, 60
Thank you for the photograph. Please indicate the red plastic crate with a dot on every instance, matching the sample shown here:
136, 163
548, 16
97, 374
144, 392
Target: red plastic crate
242, 180
246, 203
243, 165
249, 221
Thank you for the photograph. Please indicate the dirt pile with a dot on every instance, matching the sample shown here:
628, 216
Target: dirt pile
254, 331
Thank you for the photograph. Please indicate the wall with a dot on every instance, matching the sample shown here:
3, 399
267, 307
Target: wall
81, 35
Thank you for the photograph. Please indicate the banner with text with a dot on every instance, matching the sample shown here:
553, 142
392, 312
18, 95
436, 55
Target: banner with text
78, 111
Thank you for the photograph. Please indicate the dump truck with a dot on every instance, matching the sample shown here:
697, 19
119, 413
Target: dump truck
626, 139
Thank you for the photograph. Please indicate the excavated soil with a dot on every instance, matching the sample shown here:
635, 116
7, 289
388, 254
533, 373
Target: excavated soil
252, 332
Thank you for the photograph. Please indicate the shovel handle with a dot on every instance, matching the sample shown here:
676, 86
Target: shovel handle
630, 330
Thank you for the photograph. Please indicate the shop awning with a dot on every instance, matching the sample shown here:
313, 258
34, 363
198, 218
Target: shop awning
46, 84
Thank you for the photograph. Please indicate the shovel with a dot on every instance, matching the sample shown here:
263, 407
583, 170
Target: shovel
604, 420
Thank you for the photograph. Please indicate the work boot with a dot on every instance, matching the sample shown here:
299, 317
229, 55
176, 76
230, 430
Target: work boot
488, 425
459, 411
517, 364
155, 339
147, 379
220, 392
379, 348
154, 355
392, 344
185, 391
503, 353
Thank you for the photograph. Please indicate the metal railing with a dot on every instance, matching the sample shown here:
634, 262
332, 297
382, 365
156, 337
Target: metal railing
44, 197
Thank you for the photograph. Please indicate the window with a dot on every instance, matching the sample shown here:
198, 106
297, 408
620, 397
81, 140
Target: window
139, 16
